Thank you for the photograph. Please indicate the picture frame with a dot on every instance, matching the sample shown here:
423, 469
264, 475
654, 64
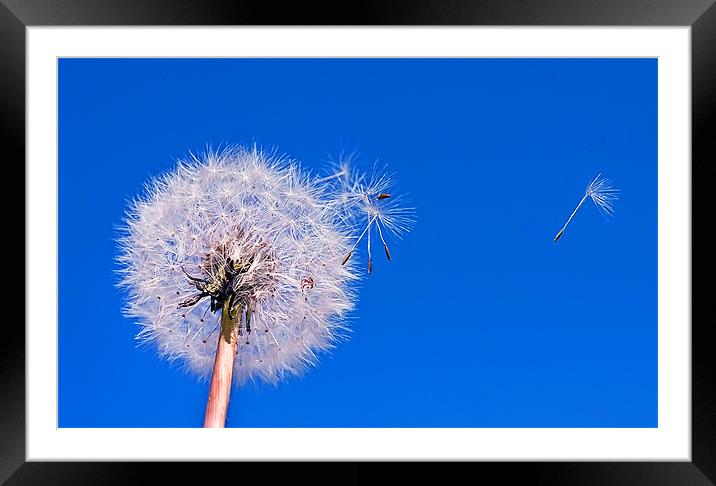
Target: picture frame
16, 16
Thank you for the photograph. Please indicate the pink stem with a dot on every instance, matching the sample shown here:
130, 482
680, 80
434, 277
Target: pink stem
220, 388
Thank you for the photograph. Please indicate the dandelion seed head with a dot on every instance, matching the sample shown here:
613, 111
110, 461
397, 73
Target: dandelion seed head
257, 209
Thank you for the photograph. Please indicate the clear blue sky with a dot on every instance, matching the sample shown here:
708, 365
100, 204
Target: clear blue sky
480, 320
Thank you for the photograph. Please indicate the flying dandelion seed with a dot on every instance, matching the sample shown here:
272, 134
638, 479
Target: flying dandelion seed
369, 204
244, 249
600, 191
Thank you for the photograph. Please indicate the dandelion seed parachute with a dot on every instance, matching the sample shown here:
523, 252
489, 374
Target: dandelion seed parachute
255, 208
601, 192
366, 202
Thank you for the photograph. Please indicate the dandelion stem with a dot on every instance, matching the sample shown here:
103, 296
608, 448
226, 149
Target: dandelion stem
559, 234
220, 387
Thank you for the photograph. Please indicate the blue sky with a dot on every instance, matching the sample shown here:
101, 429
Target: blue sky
480, 320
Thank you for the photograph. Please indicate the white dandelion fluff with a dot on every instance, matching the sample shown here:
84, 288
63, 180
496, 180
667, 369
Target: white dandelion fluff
235, 264
601, 192
241, 231
367, 203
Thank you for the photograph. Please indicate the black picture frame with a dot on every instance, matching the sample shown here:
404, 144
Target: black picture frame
16, 15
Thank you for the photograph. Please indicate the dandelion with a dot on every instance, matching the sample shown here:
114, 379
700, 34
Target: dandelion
600, 191
233, 266
368, 204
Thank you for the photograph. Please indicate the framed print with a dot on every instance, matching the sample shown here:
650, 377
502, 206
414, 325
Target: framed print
412, 235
